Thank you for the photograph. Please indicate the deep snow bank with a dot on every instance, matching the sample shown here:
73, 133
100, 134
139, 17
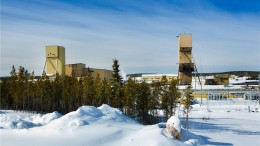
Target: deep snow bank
13, 120
47, 118
106, 126
84, 115
115, 115
88, 125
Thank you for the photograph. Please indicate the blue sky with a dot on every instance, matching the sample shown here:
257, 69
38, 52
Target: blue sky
140, 33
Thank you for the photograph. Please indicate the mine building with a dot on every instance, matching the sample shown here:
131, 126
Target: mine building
55, 64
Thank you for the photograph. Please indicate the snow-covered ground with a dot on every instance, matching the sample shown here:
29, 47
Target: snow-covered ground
226, 123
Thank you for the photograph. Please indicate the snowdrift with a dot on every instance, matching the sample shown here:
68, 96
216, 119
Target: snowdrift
107, 126
87, 125
84, 115
12, 120
115, 115
47, 118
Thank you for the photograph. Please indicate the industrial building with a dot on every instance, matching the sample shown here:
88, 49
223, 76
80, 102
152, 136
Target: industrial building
151, 78
55, 60
186, 66
79, 70
55, 64
224, 87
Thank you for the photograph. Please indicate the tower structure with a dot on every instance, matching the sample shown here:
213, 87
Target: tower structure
186, 66
55, 60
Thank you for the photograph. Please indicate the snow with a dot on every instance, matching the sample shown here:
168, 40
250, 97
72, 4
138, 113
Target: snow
13, 120
224, 123
47, 118
176, 122
213, 87
241, 80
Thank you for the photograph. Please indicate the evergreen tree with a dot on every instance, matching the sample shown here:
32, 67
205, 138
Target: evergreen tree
130, 94
21, 74
32, 76
109, 93
13, 73
98, 88
26, 75
44, 76
117, 78
117, 86
46, 99
88, 89
25, 93
104, 93
142, 102
71, 83
165, 97
174, 96
65, 94
6, 98
31, 95
156, 92
79, 93
187, 102
118, 96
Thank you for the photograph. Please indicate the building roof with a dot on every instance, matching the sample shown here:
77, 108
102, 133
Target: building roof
76, 64
158, 75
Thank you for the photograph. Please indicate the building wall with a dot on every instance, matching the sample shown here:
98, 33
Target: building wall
55, 60
103, 73
184, 48
185, 40
185, 78
76, 69
186, 66
80, 70
149, 78
220, 94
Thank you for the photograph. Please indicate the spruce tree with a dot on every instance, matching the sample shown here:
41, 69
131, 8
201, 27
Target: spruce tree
105, 92
156, 91
98, 88
142, 102
117, 86
21, 74
13, 73
44, 76
26, 75
109, 93
6, 99
88, 89
117, 78
32, 76
79, 92
130, 94
187, 102
165, 96
174, 96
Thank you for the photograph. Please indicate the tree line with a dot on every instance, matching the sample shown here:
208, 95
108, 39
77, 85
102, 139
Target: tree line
142, 101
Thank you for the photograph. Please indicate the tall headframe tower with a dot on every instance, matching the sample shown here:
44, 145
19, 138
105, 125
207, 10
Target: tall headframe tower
186, 66
55, 60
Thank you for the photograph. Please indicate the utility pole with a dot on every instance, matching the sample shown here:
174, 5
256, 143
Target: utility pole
200, 84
